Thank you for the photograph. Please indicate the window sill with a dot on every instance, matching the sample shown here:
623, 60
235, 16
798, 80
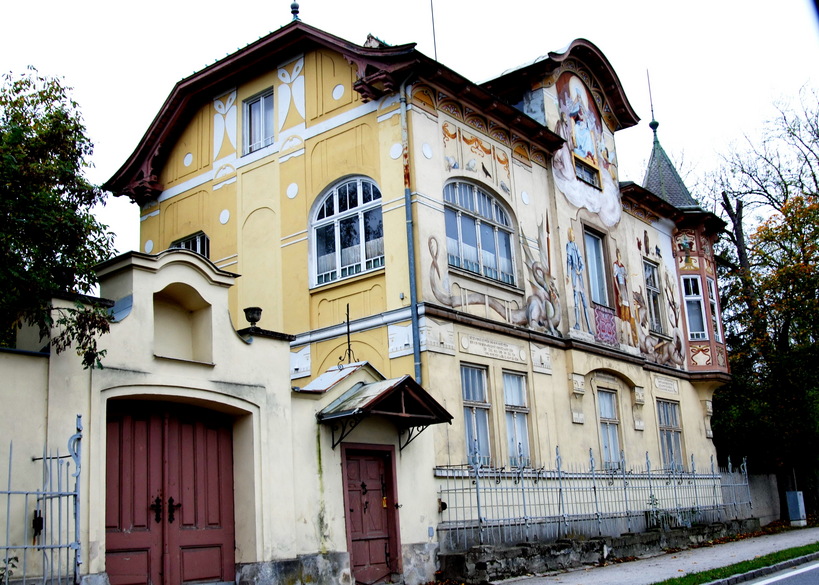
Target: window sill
484, 280
184, 360
348, 279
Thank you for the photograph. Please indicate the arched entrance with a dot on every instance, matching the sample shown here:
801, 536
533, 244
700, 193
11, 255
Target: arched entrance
169, 494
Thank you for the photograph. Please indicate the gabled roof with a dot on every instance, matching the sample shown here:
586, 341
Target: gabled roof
381, 69
400, 400
513, 83
662, 177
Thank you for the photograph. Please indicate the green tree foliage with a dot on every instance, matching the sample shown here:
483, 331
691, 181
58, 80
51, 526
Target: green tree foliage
770, 283
49, 239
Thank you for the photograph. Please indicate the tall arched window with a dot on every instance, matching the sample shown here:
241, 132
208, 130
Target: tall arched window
348, 232
478, 232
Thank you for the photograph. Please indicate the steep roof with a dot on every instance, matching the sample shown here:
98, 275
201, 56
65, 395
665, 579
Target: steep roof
380, 68
662, 178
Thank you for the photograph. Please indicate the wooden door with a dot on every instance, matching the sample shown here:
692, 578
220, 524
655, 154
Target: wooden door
169, 495
371, 515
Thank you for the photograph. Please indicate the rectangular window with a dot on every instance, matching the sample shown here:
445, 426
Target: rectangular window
712, 304
668, 421
653, 296
694, 309
586, 173
609, 429
258, 113
476, 414
596, 267
517, 428
198, 243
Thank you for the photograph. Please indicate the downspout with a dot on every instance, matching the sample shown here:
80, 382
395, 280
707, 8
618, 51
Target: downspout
416, 329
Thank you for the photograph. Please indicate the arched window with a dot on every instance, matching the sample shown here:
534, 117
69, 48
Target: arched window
348, 232
478, 232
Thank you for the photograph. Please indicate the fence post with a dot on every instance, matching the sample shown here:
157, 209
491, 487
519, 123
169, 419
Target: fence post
594, 491
653, 503
561, 503
476, 466
625, 488
523, 492
75, 450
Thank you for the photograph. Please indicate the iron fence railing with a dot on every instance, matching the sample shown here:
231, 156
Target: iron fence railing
484, 504
42, 530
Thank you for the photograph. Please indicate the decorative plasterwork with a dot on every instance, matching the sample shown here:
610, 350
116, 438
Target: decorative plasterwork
641, 212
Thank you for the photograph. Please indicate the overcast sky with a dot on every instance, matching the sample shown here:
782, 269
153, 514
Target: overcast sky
716, 66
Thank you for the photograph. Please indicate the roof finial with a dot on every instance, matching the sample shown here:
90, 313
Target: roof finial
294, 9
654, 123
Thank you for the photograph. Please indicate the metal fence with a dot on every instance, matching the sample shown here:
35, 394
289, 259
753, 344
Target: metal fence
482, 504
42, 530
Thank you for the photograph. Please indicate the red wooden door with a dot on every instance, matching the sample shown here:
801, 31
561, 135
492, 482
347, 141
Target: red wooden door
370, 517
169, 496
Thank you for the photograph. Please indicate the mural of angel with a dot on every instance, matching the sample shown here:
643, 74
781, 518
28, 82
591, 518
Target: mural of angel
622, 296
580, 125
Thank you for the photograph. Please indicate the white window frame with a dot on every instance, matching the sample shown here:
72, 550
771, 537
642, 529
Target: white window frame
654, 296
517, 415
472, 212
694, 305
353, 203
609, 419
476, 414
670, 429
712, 305
266, 124
198, 242
594, 244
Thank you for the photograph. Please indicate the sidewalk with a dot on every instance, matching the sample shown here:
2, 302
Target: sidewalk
656, 569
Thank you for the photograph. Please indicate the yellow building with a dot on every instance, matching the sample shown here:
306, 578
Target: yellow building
400, 220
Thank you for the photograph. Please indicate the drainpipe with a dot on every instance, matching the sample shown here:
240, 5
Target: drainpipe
416, 330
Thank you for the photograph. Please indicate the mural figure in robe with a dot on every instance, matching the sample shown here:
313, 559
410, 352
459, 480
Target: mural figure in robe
628, 324
574, 268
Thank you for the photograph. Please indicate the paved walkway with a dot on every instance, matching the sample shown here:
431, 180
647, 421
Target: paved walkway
653, 570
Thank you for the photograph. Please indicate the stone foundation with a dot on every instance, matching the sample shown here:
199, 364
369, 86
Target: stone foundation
315, 569
482, 564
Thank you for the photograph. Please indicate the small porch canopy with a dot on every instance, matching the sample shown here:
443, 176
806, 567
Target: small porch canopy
401, 400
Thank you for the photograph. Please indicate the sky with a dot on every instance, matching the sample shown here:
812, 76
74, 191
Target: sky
716, 67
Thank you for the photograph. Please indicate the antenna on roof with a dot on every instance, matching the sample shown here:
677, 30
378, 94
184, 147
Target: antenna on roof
654, 123
294, 10
434, 40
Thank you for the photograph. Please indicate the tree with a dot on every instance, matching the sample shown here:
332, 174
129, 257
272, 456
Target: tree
769, 266
49, 239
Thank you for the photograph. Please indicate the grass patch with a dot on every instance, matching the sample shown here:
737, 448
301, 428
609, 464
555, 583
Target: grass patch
743, 567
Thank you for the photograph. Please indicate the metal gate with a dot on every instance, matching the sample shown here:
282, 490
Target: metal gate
41, 541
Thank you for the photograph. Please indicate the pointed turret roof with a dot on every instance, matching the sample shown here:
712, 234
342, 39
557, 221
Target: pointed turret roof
662, 177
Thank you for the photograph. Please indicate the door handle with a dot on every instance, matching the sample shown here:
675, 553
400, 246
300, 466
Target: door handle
157, 508
172, 508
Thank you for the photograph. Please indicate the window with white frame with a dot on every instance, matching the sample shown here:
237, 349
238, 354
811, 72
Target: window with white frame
653, 296
712, 304
197, 242
596, 267
517, 428
668, 421
478, 232
348, 234
609, 428
476, 413
258, 121
694, 309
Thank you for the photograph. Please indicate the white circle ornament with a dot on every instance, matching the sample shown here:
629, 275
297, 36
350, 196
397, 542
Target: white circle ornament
224, 217
524, 196
338, 92
396, 150
149, 246
427, 150
188, 160
292, 190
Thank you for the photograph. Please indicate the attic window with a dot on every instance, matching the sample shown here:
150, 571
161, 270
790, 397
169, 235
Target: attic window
258, 126
586, 172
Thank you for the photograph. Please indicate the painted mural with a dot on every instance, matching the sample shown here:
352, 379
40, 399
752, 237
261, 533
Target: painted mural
542, 309
585, 168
